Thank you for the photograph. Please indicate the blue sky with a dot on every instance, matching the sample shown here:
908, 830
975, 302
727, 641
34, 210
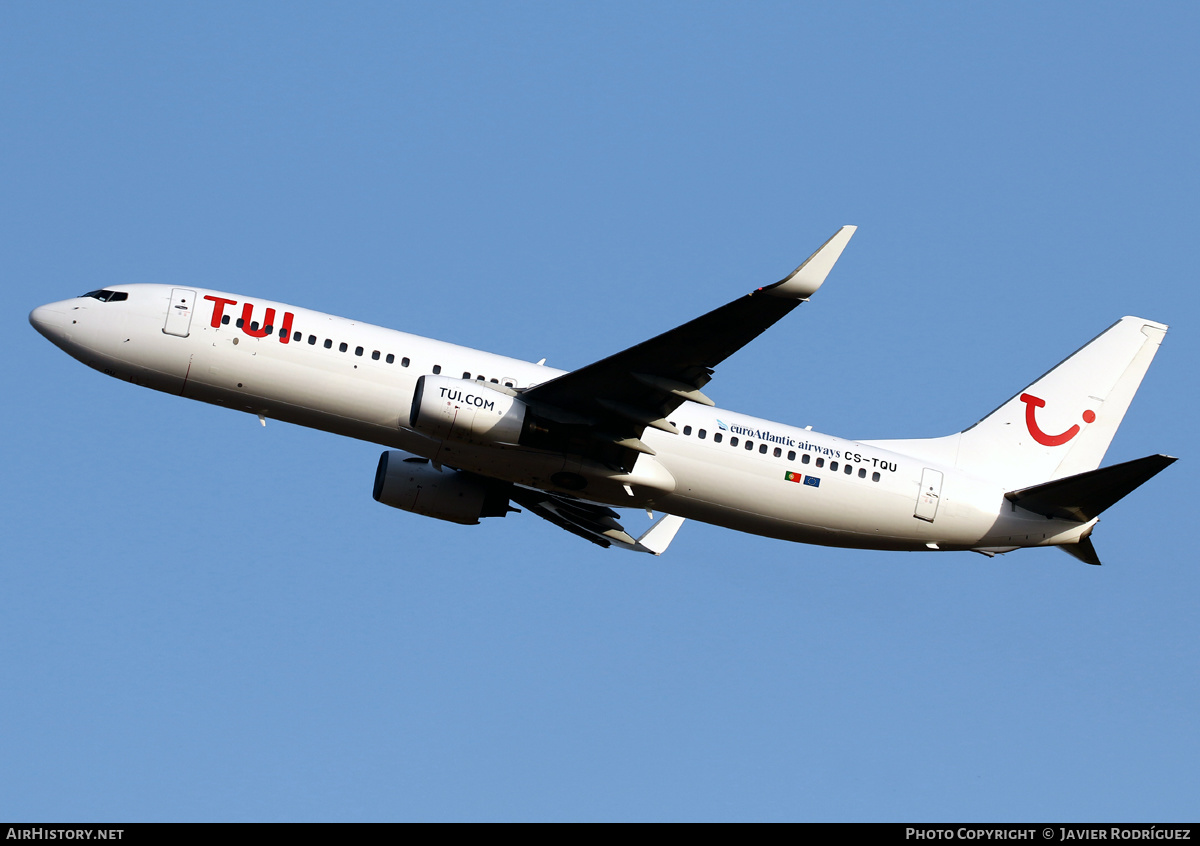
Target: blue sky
205, 619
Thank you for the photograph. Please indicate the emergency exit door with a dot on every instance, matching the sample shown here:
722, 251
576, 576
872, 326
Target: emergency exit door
929, 495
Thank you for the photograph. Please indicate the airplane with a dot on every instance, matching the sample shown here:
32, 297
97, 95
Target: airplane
471, 434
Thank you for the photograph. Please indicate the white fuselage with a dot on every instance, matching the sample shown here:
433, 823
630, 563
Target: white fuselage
358, 380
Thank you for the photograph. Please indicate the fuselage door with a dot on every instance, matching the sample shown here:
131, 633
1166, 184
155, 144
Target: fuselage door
929, 495
179, 312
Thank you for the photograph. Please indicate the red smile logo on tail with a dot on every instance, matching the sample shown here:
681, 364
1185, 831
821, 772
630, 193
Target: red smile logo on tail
1031, 403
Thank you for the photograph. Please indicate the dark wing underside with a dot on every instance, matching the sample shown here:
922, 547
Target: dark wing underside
602, 409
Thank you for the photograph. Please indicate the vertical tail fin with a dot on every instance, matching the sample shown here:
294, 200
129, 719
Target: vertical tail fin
1063, 423
1060, 425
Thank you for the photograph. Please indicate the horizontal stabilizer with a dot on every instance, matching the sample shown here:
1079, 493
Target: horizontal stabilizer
1082, 497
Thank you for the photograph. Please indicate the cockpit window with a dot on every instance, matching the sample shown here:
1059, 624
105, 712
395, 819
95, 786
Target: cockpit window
105, 296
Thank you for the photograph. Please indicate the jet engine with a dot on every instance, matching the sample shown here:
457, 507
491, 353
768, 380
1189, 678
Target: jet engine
413, 484
462, 410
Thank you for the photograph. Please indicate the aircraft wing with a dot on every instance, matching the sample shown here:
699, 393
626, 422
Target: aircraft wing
616, 398
596, 523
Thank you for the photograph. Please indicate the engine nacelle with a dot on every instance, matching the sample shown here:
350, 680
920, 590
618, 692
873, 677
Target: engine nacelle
413, 484
462, 410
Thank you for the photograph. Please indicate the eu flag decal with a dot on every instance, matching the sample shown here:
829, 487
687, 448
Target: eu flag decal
812, 481
792, 477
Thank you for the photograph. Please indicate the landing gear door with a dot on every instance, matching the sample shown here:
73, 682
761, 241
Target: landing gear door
929, 495
179, 312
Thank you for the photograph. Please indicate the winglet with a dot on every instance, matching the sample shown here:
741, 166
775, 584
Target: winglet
804, 281
1083, 550
659, 536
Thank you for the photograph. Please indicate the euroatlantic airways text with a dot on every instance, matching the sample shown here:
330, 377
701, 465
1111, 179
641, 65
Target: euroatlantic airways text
819, 449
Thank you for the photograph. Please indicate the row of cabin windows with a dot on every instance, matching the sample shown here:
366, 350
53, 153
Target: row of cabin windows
343, 347
805, 458
480, 378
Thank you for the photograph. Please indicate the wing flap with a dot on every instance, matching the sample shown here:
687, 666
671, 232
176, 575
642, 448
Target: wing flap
597, 523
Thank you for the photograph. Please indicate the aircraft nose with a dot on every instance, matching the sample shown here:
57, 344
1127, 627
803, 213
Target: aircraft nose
48, 320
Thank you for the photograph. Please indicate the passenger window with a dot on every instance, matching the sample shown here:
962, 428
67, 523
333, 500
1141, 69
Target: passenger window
343, 346
862, 472
762, 449
312, 339
267, 330
480, 379
224, 319
804, 459
687, 430
391, 359
375, 355
253, 325
437, 369
733, 441
403, 362
821, 463
466, 375
509, 385
702, 434
328, 343
296, 337
875, 476
833, 465
750, 445
778, 452
358, 350
849, 469
717, 437
494, 381
240, 323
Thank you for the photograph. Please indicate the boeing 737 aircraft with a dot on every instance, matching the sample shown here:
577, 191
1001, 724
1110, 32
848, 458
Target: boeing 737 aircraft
471, 434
